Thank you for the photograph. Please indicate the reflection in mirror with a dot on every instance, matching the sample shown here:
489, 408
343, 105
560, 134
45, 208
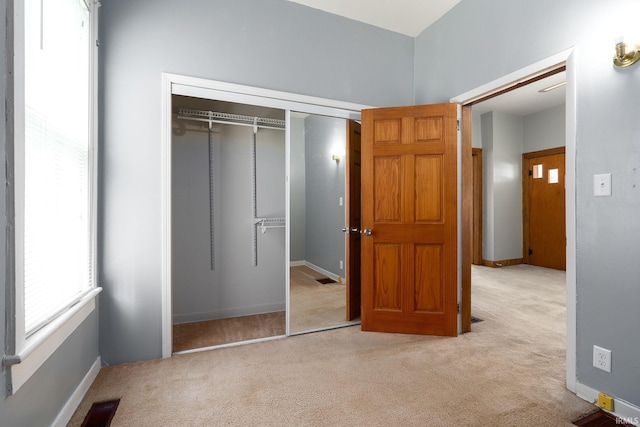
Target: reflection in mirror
317, 216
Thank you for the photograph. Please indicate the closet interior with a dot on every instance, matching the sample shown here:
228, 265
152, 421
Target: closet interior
228, 210
230, 270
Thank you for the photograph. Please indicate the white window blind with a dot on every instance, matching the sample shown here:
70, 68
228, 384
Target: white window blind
57, 160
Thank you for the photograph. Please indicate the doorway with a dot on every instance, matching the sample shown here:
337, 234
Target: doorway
493, 89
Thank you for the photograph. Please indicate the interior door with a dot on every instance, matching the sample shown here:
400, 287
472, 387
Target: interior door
544, 216
354, 155
409, 219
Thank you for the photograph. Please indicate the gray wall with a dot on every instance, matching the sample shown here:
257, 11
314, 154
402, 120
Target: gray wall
545, 129
297, 188
496, 40
325, 185
502, 186
273, 44
236, 287
5, 143
41, 398
476, 137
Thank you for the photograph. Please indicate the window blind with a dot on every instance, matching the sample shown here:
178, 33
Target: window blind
57, 211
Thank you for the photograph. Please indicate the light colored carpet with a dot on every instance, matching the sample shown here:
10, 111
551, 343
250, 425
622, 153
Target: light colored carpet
509, 372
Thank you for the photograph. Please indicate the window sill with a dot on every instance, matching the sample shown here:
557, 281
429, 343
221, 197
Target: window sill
46, 341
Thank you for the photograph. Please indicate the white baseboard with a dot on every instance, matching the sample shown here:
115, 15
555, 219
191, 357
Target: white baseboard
626, 411
72, 404
223, 314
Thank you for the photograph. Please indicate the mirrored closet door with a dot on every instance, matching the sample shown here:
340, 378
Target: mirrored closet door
317, 287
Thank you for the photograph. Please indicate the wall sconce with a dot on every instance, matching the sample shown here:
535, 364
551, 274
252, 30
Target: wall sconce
625, 55
336, 158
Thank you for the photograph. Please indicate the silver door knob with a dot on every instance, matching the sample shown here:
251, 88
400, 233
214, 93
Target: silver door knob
344, 230
368, 232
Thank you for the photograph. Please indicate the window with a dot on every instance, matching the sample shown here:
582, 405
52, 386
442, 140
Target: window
54, 167
537, 171
57, 230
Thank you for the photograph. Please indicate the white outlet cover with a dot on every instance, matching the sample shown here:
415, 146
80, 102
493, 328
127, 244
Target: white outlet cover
602, 185
602, 358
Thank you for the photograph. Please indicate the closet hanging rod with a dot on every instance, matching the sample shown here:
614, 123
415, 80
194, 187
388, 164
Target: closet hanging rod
234, 119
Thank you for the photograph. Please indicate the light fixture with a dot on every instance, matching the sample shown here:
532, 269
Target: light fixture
336, 158
550, 88
625, 55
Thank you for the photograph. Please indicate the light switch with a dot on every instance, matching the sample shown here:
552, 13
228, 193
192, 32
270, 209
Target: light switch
602, 185
340, 202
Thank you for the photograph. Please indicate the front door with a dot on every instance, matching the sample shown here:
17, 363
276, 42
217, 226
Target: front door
544, 209
409, 219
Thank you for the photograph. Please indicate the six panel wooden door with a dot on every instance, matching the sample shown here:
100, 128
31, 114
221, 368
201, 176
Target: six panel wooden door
409, 219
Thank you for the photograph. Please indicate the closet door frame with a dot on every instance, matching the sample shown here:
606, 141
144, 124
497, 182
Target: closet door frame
174, 84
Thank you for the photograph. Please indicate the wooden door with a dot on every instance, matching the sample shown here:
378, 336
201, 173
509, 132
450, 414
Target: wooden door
409, 219
354, 138
544, 209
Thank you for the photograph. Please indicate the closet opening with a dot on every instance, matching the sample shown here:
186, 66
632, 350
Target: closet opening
234, 217
228, 223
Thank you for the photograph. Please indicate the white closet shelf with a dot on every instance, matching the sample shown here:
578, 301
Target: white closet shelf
266, 223
232, 119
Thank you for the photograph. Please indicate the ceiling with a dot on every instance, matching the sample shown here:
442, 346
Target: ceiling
411, 17
527, 99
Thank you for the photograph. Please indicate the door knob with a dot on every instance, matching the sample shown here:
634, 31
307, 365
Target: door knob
368, 232
344, 230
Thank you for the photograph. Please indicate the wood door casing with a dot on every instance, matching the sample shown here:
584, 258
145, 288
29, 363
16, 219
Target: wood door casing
477, 257
409, 202
466, 217
544, 217
354, 202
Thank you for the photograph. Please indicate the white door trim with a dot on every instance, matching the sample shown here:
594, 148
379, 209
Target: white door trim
174, 84
567, 58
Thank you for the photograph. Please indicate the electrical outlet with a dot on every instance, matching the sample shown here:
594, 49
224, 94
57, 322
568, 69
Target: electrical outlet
602, 358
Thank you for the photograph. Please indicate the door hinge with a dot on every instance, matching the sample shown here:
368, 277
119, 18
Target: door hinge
458, 308
458, 125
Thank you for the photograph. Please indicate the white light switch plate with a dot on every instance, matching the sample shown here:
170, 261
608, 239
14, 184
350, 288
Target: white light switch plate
602, 185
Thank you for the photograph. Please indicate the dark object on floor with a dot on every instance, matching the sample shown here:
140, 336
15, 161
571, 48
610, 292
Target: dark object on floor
475, 319
600, 419
101, 414
325, 280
